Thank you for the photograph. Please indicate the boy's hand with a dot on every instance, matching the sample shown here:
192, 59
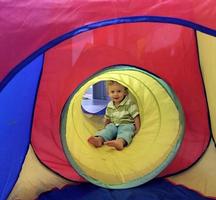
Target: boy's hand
137, 124
136, 131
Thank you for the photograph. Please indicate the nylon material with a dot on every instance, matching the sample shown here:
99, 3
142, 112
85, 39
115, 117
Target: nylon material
123, 52
34, 178
15, 99
208, 63
201, 177
33, 41
63, 17
107, 176
157, 189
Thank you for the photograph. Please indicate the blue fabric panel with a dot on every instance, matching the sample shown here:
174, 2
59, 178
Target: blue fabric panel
94, 106
158, 189
17, 100
99, 91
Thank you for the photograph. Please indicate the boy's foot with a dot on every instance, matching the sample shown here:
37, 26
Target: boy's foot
118, 144
96, 141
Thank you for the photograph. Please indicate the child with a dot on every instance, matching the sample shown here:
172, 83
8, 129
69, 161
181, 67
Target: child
122, 120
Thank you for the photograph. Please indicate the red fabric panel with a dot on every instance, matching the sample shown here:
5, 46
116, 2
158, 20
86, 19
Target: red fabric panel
168, 51
26, 26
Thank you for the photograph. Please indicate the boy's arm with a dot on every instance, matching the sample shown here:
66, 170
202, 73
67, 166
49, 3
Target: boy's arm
137, 124
107, 117
106, 121
134, 112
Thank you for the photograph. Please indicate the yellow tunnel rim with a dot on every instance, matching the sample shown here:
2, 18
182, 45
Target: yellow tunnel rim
155, 171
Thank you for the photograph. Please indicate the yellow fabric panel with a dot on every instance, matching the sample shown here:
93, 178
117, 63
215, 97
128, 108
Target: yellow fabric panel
207, 49
201, 176
35, 179
158, 134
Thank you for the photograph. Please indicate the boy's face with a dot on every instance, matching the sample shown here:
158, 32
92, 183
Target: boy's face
116, 93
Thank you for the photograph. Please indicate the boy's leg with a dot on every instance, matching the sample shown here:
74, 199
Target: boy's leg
108, 133
126, 132
124, 136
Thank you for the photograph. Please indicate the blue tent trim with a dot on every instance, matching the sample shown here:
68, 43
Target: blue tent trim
157, 189
95, 25
17, 101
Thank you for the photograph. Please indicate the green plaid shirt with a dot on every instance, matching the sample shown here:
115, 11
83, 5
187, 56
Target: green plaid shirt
125, 113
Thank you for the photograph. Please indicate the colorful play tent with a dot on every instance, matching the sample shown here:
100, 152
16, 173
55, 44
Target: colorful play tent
52, 52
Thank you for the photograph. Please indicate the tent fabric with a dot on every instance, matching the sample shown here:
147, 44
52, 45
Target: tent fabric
202, 176
207, 49
16, 112
158, 189
35, 179
29, 29
94, 106
60, 18
145, 48
152, 149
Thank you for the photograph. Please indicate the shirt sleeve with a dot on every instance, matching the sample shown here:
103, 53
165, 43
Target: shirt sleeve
107, 114
133, 110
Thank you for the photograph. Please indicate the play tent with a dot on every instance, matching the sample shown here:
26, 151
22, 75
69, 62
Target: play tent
50, 50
